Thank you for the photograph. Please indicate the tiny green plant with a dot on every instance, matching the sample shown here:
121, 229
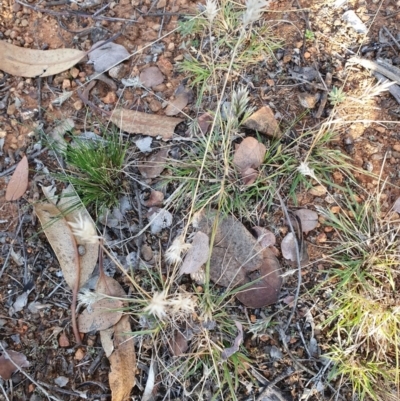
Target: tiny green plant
95, 169
309, 35
336, 96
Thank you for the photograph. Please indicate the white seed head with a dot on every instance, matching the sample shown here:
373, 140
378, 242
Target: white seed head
254, 9
211, 10
83, 229
182, 305
158, 305
306, 170
174, 252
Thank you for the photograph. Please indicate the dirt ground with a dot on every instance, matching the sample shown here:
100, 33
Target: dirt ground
368, 134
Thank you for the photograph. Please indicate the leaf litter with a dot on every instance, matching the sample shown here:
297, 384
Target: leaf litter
18, 183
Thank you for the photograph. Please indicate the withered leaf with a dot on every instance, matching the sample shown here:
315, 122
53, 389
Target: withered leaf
178, 344
19, 181
308, 218
267, 283
154, 165
265, 237
7, 367
197, 255
228, 352
100, 315
155, 199
136, 122
235, 251
183, 96
23, 62
264, 121
103, 57
122, 361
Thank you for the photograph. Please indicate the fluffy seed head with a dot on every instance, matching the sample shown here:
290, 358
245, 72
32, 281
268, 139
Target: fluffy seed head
254, 9
83, 229
174, 252
306, 170
211, 10
158, 305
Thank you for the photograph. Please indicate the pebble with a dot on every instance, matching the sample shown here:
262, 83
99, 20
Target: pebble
318, 190
308, 100
24, 22
78, 105
396, 147
161, 4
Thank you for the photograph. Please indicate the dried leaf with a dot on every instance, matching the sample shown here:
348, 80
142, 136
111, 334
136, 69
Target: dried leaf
19, 180
308, 218
288, 247
150, 384
67, 204
228, 352
108, 286
267, 283
249, 176
20, 302
154, 165
122, 361
264, 237
204, 121
235, 252
103, 57
136, 122
178, 344
107, 341
155, 199
183, 96
197, 255
23, 62
61, 381
7, 367
396, 206
63, 340
249, 154
264, 121
101, 315
60, 237
151, 76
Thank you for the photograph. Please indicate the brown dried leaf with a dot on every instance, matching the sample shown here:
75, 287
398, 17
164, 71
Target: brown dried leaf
103, 57
23, 62
197, 255
249, 154
151, 76
308, 218
19, 180
183, 96
136, 122
264, 121
204, 121
154, 165
108, 286
101, 315
228, 352
107, 342
178, 344
288, 248
122, 361
61, 239
267, 283
235, 251
155, 199
7, 367
264, 237
249, 176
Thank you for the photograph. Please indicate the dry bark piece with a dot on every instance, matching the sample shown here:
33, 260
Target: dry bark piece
23, 62
19, 181
235, 251
136, 122
308, 218
7, 367
263, 121
151, 76
122, 361
154, 165
101, 315
103, 57
197, 255
267, 283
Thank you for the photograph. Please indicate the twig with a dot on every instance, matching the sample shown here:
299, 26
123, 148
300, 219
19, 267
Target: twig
392, 37
42, 389
139, 239
298, 260
80, 394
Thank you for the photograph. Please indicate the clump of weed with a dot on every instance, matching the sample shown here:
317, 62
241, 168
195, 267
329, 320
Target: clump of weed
365, 319
95, 168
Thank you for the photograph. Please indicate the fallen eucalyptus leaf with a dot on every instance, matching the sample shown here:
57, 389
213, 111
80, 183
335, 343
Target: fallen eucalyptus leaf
122, 361
264, 237
136, 122
228, 352
151, 76
23, 62
154, 165
7, 367
308, 218
178, 344
183, 96
197, 254
19, 180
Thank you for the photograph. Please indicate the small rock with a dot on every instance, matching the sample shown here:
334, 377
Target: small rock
321, 238
147, 252
337, 177
66, 84
396, 147
335, 209
79, 354
74, 72
110, 98
11, 109
308, 100
354, 21
24, 22
307, 55
154, 105
263, 121
151, 76
165, 66
161, 4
